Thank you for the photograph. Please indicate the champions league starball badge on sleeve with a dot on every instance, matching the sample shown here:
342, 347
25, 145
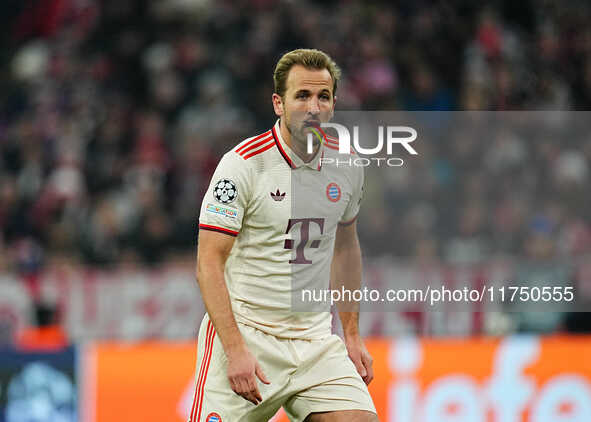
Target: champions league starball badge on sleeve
225, 191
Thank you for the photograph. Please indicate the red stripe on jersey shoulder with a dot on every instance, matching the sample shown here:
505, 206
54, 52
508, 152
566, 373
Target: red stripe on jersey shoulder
333, 143
258, 151
218, 229
250, 141
255, 145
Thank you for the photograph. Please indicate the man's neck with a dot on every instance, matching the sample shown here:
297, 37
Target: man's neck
300, 148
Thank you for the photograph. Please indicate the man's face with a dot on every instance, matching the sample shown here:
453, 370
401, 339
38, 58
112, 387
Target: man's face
307, 102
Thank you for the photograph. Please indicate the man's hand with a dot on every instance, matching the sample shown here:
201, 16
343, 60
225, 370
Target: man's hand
243, 369
361, 358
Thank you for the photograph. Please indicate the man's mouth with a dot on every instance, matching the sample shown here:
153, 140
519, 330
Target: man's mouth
312, 123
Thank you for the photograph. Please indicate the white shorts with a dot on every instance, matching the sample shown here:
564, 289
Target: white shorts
306, 376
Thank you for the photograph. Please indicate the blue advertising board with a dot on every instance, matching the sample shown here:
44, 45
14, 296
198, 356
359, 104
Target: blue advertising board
38, 386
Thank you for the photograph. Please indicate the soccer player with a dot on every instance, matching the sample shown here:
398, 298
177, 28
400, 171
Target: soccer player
276, 219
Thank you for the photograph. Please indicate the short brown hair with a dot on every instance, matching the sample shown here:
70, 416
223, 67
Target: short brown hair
310, 59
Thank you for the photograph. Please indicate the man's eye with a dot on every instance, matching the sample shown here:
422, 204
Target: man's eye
301, 95
325, 97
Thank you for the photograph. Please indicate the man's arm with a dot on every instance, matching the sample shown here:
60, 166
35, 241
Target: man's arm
212, 252
346, 273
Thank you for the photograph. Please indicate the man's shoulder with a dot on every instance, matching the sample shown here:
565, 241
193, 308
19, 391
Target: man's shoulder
333, 146
254, 146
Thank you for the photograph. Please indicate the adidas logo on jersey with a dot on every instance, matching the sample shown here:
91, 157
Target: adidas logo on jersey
278, 196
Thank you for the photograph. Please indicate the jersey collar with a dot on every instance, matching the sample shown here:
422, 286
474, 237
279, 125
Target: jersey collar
290, 157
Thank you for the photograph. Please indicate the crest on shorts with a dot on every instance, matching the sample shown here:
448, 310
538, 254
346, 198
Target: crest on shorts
225, 191
333, 192
213, 417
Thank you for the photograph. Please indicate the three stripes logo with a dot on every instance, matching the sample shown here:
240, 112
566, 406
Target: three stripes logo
256, 145
204, 368
333, 192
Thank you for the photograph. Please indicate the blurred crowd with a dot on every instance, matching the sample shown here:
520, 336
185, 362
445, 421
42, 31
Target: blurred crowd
114, 114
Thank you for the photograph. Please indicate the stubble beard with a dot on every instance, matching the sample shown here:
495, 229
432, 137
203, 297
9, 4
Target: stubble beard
299, 137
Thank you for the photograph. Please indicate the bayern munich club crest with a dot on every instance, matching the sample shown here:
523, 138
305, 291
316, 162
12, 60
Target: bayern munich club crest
213, 417
225, 191
333, 192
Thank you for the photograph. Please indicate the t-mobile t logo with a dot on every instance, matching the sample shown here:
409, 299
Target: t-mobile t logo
304, 237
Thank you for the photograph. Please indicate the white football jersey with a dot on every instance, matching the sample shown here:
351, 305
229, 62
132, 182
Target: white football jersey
284, 214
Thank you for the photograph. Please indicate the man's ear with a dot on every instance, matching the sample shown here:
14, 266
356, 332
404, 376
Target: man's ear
334, 103
277, 104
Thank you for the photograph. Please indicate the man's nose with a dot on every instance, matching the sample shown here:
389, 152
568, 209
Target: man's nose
313, 106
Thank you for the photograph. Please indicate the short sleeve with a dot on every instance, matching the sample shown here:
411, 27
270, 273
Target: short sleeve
227, 196
354, 204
